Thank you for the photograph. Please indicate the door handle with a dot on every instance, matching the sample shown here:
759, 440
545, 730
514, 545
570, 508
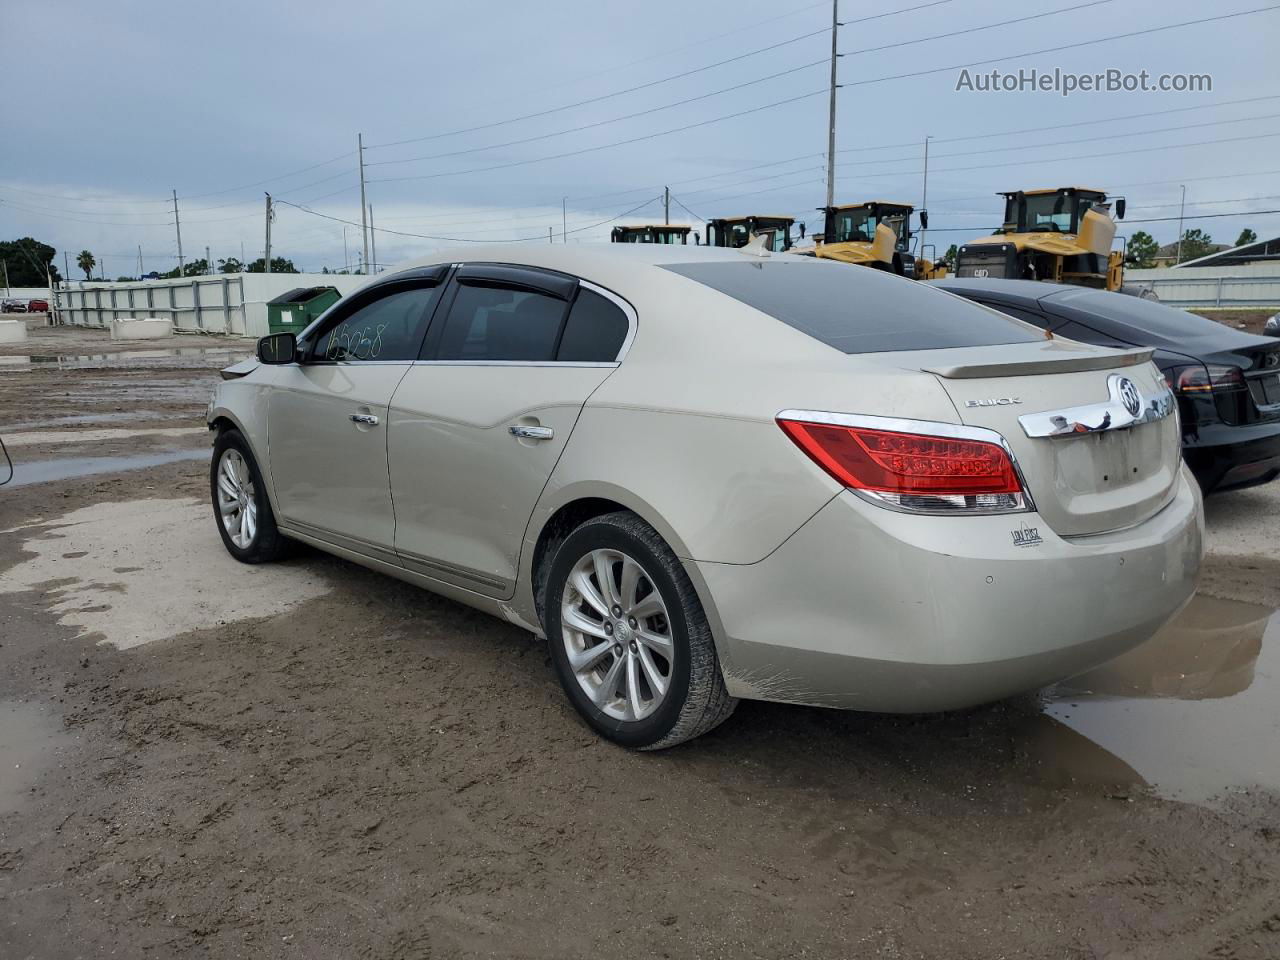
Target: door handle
364, 419
531, 433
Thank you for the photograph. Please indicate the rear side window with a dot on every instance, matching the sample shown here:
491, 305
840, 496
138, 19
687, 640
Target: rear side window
856, 309
500, 323
595, 330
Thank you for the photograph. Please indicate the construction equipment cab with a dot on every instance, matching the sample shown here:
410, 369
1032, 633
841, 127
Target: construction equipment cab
738, 231
1061, 235
651, 233
874, 234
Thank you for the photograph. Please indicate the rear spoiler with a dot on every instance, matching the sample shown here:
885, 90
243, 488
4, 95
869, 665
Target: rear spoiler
1027, 368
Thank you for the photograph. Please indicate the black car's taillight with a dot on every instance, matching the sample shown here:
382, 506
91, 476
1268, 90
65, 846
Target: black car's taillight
1210, 388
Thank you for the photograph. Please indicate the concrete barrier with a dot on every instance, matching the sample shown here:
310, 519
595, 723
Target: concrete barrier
13, 331
144, 328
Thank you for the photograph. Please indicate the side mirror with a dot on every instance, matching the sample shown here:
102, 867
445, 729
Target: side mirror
924, 219
1120, 208
278, 348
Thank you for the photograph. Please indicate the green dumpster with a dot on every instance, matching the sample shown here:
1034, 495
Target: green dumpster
292, 311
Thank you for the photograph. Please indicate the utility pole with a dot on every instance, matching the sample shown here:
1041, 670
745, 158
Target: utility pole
6, 276
178, 228
266, 260
666, 205
551, 234
564, 219
924, 196
208, 262
66, 266
1181, 210
364, 223
373, 239
831, 114
140, 270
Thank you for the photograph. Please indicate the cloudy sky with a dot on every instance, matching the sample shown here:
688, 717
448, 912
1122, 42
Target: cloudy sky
481, 118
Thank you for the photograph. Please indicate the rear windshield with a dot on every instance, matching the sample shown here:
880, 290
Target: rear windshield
1136, 313
857, 309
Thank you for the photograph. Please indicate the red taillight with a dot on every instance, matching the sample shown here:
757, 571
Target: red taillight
909, 464
1205, 378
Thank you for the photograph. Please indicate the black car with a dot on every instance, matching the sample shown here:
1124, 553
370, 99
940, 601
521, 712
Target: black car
1227, 382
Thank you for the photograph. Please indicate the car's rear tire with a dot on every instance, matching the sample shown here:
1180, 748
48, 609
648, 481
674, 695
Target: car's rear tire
636, 658
241, 508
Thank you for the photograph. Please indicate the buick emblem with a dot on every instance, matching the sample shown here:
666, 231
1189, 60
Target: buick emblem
1130, 396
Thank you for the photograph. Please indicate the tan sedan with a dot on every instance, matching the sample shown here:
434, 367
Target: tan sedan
708, 474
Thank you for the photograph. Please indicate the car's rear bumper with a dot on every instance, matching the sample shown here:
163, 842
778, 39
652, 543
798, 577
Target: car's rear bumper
864, 608
1224, 457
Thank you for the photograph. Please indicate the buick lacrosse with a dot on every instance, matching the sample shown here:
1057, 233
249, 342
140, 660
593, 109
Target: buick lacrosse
709, 474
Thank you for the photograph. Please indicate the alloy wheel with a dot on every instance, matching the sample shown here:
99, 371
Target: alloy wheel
617, 635
237, 504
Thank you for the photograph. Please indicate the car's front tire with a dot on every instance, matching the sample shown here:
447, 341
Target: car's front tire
629, 638
241, 508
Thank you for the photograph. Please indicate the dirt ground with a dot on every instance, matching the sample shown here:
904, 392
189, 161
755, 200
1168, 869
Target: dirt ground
1250, 321
344, 766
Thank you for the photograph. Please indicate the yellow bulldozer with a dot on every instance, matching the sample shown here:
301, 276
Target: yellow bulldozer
1059, 234
738, 231
875, 234
651, 233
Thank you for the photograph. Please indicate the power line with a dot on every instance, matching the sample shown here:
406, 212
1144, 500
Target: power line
705, 96
283, 176
1201, 216
605, 122
1063, 126
958, 33
420, 236
600, 98
1058, 143
604, 146
668, 79
1068, 46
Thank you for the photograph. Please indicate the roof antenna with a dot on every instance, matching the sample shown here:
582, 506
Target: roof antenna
756, 246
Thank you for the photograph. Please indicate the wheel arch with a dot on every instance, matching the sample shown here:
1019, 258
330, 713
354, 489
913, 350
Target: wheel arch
221, 419
572, 505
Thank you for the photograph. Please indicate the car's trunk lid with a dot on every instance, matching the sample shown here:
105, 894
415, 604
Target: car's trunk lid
1092, 469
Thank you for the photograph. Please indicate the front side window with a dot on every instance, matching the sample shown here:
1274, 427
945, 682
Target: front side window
493, 322
389, 328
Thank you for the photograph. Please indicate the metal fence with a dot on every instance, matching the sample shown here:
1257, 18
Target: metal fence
1239, 292
230, 303
213, 304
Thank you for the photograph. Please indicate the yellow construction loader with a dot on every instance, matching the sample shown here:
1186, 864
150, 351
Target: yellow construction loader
651, 233
738, 231
874, 234
1060, 234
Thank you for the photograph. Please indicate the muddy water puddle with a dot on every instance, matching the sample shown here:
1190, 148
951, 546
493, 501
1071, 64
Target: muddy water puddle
30, 739
122, 416
70, 468
1194, 713
163, 357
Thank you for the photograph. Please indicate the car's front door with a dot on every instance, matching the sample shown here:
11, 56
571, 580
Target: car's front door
327, 415
477, 427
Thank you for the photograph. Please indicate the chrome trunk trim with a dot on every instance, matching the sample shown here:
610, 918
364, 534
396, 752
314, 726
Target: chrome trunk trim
1125, 407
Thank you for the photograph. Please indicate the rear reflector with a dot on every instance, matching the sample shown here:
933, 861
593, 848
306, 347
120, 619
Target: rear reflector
914, 471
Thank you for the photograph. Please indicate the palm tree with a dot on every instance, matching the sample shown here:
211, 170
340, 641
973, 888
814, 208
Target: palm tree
86, 263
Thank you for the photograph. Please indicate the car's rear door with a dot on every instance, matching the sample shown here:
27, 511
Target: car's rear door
478, 424
327, 414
